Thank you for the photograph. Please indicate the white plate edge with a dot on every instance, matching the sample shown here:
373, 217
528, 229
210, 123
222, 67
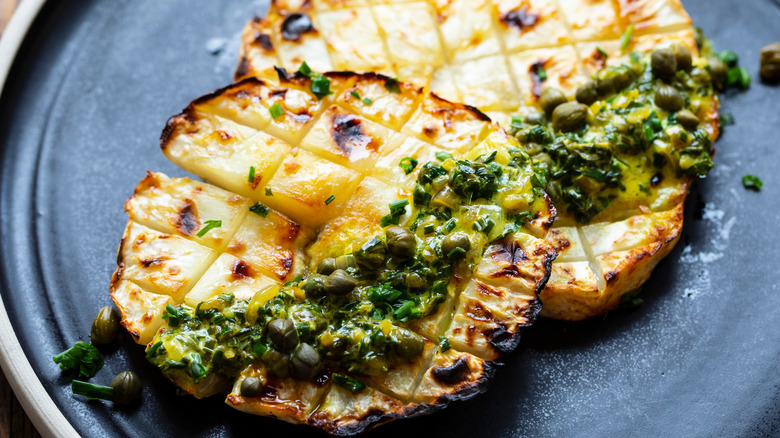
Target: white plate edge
36, 402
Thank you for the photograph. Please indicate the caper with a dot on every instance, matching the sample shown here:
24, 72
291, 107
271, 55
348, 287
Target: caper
770, 62
664, 63
277, 362
687, 119
306, 362
340, 283
345, 261
400, 242
622, 78
605, 86
408, 345
251, 387
127, 387
683, 57
283, 334
372, 255
587, 93
415, 281
668, 98
326, 266
533, 118
105, 327
315, 285
701, 75
718, 71
550, 98
569, 117
455, 245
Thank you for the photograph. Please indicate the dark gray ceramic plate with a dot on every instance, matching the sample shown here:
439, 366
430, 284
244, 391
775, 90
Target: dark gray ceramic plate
81, 114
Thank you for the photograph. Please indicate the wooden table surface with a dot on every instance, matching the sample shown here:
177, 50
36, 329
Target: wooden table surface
13, 421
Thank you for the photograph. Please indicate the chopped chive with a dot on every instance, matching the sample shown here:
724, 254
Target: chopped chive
752, 182
444, 344
355, 94
197, 370
330, 199
208, 226
259, 209
153, 349
367, 101
441, 155
92, 391
348, 383
251, 177
320, 86
450, 225
268, 191
541, 73
388, 220
517, 122
276, 110
484, 225
392, 85
304, 69
398, 205
602, 52
428, 229
408, 164
455, 253
625, 39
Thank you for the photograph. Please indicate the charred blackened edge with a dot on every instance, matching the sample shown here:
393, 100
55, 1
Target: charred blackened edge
465, 107
188, 112
502, 340
377, 418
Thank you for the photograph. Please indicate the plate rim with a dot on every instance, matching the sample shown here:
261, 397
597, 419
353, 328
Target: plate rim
27, 387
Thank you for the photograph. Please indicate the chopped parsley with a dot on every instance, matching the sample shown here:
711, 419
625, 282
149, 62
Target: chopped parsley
208, 226
259, 209
631, 300
408, 164
752, 182
348, 383
83, 358
276, 110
